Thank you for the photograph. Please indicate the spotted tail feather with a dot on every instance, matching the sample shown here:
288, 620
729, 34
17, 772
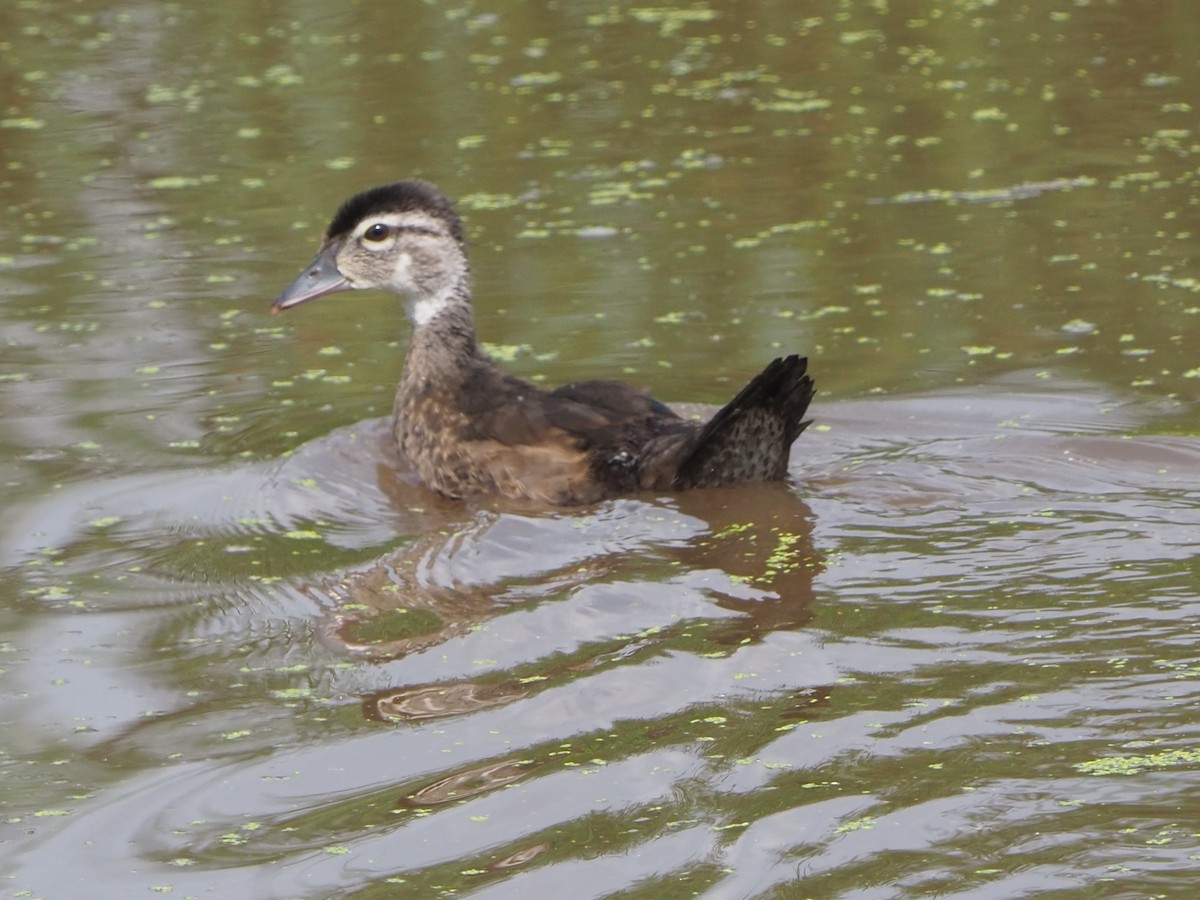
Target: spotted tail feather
750, 438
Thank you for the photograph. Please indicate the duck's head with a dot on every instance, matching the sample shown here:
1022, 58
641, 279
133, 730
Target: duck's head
404, 237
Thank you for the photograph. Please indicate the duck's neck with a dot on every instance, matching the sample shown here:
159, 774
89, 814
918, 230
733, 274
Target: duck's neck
443, 341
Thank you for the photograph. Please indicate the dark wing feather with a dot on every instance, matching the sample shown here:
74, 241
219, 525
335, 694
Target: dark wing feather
585, 414
587, 406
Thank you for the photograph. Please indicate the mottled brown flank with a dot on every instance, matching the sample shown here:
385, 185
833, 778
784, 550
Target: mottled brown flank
494, 433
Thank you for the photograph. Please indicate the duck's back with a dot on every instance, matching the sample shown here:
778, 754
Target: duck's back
583, 442
493, 432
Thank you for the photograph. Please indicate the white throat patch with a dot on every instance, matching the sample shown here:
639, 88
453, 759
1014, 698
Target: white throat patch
421, 308
426, 309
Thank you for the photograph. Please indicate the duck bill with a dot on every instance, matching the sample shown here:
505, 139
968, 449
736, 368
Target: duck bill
319, 278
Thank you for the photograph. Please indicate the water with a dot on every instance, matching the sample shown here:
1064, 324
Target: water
243, 655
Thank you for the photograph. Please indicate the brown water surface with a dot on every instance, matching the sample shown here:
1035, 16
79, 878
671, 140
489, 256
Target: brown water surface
244, 656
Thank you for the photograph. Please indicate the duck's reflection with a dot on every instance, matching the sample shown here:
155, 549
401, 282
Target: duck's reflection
749, 549
435, 701
468, 783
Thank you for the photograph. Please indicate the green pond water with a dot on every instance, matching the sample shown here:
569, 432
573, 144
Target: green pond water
243, 655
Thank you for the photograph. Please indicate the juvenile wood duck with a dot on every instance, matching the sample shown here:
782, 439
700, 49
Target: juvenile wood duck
469, 427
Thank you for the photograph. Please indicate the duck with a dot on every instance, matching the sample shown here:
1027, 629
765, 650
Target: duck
467, 427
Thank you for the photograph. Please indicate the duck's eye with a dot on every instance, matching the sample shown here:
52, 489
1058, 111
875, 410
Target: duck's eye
377, 232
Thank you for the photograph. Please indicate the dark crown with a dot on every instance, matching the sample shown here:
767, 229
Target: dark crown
412, 195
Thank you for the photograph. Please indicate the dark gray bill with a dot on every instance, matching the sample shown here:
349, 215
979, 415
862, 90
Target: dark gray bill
319, 278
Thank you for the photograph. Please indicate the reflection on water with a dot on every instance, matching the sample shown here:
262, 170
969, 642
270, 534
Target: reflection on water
241, 654
661, 676
434, 701
463, 785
